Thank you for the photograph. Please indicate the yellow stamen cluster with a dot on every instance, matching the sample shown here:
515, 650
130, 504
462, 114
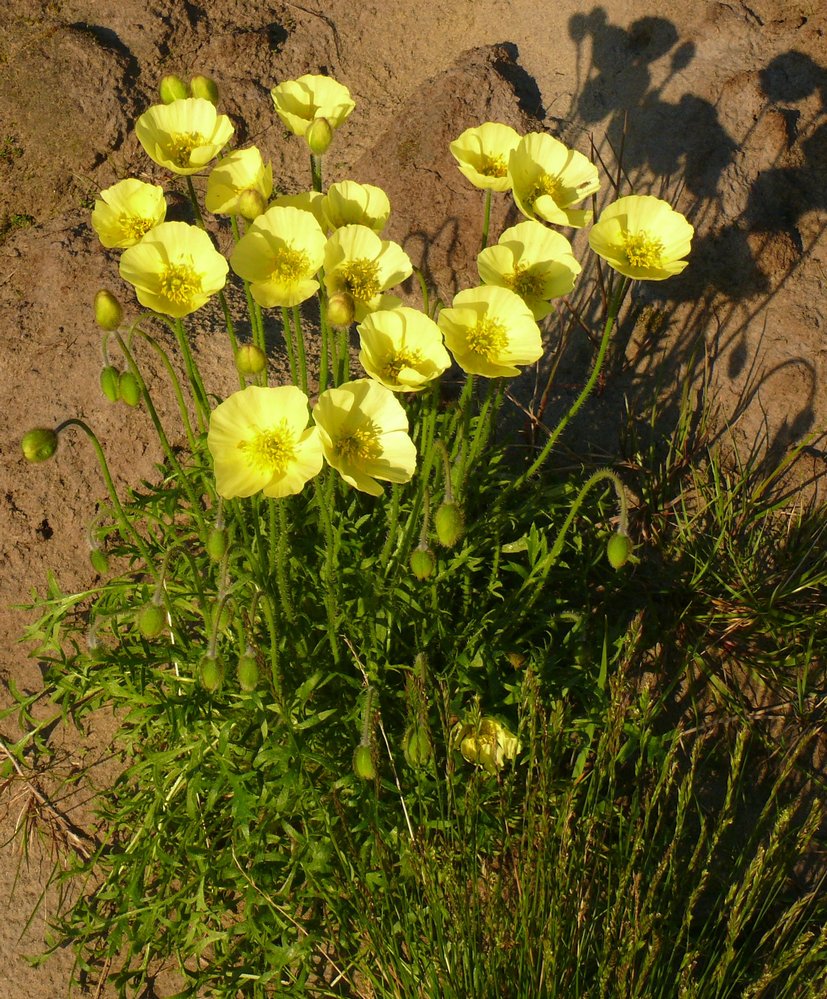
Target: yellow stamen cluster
179, 283
488, 338
361, 279
545, 184
134, 226
525, 282
492, 166
271, 450
181, 144
290, 266
399, 360
362, 445
642, 250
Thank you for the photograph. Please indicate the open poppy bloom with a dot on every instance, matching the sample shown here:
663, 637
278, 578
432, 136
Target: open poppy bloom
300, 102
126, 211
642, 237
402, 348
548, 178
358, 262
482, 154
185, 135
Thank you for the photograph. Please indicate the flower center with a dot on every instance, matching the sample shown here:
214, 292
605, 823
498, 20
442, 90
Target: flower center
362, 445
525, 282
135, 227
545, 184
397, 361
488, 338
181, 144
179, 283
361, 278
271, 450
641, 249
493, 166
289, 266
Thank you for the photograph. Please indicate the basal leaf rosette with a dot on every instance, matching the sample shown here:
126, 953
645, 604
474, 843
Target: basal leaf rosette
358, 262
185, 135
300, 102
402, 349
126, 211
175, 269
238, 180
364, 432
482, 154
280, 255
490, 330
260, 442
642, 237
547, 178
533, 261
351, 203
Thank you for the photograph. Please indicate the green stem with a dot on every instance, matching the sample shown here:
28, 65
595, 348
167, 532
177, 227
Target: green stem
199, 218
324, 502
297, 326
288, 341
279, 538
486, 221
202, 407
324, 329
176, 383
316, 172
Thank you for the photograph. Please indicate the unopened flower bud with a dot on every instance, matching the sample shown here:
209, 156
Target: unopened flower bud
110, 379
417, 746
204, 87
618, 550
216, 544
99, 560
423, 563
39, 444
250, 360
247, 670
341, 309
449, 524
108, 311
151, 620
210, 673
251, 204
130, 388
319, 136
172, 88
363, 762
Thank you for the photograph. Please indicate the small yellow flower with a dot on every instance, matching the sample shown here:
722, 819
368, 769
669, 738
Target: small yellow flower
126, 211
532, 260
308, 201
364, 432
402, 349
241, 171
349, 203
482, 154
357, 261
185, 135
490, 330
485, 742
300, 102
175, 269
547, 178
642, 237
280, 255
260, 442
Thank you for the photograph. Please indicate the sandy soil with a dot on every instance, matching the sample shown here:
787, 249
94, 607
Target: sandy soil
725, 107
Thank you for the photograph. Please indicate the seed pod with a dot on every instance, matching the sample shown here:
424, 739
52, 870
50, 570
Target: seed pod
216, 544
363, 762
417, 746
151, 620
130, 388
450, 524
210, 673
108, 311
172, 88
247, 670
423, 563
39, 444
110, 383
618, 550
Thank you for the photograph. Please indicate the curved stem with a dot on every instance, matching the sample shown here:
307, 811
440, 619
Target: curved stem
297, 326
176, 383
486, 222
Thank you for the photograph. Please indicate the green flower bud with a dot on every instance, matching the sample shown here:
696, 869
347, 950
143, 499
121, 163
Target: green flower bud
217, 544
110, 383
151, 620
250, 360
172, 88
108, 311
99, 560
251, 204
423, 563
449, 524
39, 444
204, 87
247, 670
341, 309
319, 136
363, 762
618, 550
417, 746
211, 673
130, 388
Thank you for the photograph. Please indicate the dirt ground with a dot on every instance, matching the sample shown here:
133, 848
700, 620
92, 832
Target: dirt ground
725, 111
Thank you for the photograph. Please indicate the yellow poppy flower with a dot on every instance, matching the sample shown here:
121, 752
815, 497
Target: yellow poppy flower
126, 211
547, 178
482, 154
279, 255
175, 269
185, 135
357, 261
486, 742
402, 349
490, 330
349, 203
233, 176
260, 442
364, 432
308, 201
532, 260
642, 237
300, 102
